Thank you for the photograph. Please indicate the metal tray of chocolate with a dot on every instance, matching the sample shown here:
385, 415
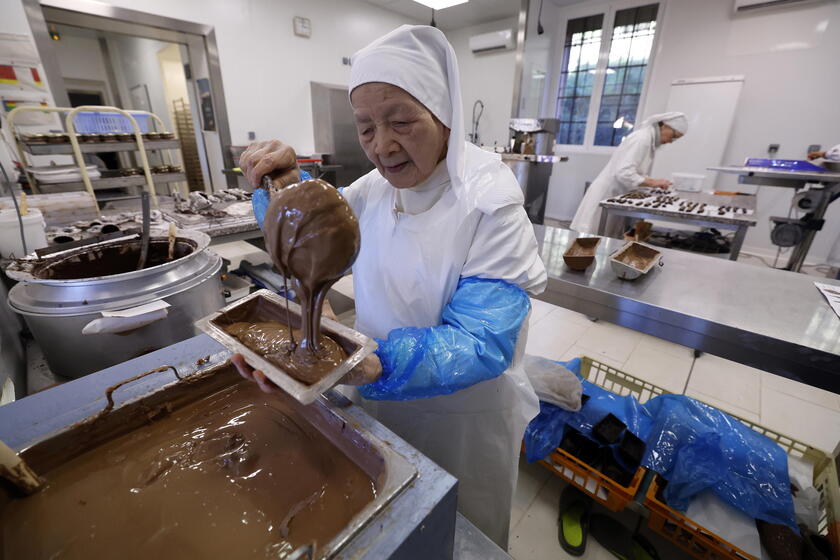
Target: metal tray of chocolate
265, 305
123, 440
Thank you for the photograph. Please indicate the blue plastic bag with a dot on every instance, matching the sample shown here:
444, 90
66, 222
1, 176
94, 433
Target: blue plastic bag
695, 446
545, 432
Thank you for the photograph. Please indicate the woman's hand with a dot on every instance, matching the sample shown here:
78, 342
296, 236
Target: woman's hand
246, 371
270, 157
815, 155
656, 183
368, 371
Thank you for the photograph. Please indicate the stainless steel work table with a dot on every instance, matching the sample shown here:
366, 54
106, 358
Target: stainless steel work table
770, 319
738, 224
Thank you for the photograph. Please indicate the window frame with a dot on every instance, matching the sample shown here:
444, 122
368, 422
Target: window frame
608, 9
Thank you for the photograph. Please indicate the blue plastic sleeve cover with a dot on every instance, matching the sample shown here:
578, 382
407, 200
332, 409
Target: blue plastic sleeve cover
474, 342
261, 197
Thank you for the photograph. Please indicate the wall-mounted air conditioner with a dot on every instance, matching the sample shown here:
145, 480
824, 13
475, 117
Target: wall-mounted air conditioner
742, 6
493, 41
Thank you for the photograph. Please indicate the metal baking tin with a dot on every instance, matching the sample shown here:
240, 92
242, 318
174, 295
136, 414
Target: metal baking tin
390, 471
581, 252
265, 305
628, 272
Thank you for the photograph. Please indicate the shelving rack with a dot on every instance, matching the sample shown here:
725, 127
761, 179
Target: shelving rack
77, 150
189, 148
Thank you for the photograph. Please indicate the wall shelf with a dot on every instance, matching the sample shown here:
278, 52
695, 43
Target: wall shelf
99, 147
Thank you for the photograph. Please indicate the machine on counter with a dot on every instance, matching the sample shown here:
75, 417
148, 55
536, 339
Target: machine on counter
530, 155
815, 189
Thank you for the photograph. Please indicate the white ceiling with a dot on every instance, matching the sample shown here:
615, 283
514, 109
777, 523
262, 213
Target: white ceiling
463, 15
473, 12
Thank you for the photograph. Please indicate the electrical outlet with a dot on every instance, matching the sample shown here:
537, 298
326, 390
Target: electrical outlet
814, 148
345, 60
772, 149
252, 135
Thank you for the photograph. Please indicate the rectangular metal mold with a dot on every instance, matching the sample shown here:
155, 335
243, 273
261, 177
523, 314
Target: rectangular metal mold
627, 269
390, 471
265, 305
581, 252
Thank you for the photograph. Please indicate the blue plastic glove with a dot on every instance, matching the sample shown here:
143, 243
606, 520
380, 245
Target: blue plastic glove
261, 198
475, 342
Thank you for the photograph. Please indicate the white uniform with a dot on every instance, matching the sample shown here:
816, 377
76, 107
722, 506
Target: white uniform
465, 220
406, 272
628, 167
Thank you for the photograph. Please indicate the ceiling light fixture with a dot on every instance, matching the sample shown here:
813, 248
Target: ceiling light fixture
441, 4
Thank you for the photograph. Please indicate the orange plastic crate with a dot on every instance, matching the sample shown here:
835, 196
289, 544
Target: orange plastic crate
671, 524
589, 480
592, 482
685, 533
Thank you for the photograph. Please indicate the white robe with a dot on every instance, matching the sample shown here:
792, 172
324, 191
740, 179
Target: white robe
628, 167
406, 273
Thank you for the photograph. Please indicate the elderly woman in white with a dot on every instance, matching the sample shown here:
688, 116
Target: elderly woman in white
448, 257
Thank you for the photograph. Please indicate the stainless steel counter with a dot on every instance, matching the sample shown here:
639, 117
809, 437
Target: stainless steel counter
773, 320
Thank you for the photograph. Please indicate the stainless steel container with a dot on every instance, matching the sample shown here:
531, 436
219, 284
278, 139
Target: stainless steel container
533, 174
390, 471
154, 307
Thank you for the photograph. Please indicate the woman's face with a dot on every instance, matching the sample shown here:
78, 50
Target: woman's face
668, 134
399, 135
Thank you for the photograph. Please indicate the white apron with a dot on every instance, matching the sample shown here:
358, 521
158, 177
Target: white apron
407, 270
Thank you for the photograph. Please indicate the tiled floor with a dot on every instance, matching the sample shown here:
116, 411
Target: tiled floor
805, 413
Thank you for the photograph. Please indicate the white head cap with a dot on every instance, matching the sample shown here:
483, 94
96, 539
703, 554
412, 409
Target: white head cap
419, 59
674, 119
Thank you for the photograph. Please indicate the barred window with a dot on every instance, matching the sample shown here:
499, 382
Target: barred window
624, 69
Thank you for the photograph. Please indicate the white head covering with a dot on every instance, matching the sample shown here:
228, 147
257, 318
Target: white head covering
419, 59
674, 119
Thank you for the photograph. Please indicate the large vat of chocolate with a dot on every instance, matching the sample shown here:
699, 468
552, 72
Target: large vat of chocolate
60, 295
389, 472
